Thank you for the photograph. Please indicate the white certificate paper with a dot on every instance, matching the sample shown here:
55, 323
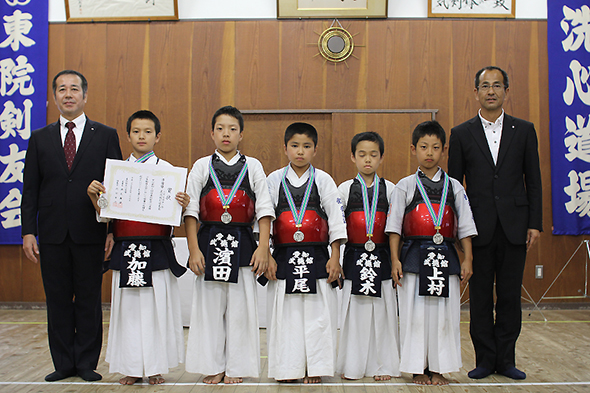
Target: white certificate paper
143, 192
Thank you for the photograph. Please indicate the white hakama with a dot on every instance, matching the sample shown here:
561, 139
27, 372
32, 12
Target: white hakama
301, 331
430, 335
224, 334
145, 330
368, 334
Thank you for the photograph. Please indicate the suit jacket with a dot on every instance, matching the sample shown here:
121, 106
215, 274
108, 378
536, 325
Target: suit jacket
510, 191
54, 200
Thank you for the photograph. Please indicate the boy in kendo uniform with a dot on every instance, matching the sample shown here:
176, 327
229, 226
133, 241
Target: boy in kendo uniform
145, 331
228, 194
430, 210
368, 343
302, 303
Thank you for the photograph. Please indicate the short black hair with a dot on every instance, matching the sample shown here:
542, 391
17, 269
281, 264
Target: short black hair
230, 111
431, 127
304, 129
490, 68
144, 114
370, 136
70, 72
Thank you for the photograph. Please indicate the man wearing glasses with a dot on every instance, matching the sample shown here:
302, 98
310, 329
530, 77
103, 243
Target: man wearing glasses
498, 157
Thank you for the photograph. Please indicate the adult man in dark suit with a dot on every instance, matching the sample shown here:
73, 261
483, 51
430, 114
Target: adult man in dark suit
497, 155
62, 159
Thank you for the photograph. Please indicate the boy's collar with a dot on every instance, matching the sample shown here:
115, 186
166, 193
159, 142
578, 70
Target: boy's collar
232, 161
437, 176
369, 185
295, 173
143, 158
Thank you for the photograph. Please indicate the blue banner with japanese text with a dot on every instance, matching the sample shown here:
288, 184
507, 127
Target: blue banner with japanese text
568, 44
23, 106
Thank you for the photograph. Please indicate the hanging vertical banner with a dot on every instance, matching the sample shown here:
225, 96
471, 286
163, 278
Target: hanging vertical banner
568, 44
23, 95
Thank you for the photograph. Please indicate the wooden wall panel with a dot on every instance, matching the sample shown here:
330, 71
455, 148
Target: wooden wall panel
264, 139
125, 89
396, 130
11, 267
205, 83
301, 75
169, 88
257, 51
184, 71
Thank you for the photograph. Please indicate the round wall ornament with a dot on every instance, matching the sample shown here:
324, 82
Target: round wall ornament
335, 44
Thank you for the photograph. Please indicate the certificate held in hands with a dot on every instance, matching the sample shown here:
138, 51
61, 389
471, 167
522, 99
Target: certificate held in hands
143, 192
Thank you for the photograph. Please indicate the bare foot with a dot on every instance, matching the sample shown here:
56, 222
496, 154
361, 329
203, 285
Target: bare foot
421, 379
214, 379
312, 379
382, 377
156, 379
438, 379
129, 380
227, 379
345, 377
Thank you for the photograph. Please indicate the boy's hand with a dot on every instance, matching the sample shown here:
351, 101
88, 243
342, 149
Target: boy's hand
183, 199
466, 270
196, 262
334, 269
396, 271
259, 261
95, 189
108, 246
271, 270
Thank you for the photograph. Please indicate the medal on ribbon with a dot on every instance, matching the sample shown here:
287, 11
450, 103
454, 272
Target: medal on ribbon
226, 216
102, 201
298, 236
370, 209
436, 219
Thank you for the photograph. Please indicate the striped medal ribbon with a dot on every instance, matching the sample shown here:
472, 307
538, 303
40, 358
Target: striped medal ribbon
370, 209
437, 220
145, 157
226, 217
298, 236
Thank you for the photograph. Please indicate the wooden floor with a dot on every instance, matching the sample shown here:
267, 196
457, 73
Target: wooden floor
554, 354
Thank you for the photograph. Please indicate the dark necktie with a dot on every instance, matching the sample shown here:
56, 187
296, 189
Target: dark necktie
70, 144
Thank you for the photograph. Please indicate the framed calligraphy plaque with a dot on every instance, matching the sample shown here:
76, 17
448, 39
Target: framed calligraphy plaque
121, 10
331, 9
471, 8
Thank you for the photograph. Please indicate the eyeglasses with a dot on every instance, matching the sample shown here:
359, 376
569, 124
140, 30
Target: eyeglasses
495, 86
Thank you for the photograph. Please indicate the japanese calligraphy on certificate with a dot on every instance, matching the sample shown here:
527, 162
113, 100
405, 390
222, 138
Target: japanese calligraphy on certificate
143, 192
